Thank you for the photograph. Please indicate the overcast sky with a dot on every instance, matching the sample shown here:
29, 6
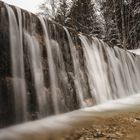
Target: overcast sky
30, 5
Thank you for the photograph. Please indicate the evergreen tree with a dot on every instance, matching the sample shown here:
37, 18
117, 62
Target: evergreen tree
121, 19
122, 16
62, 14
112, 35
83, 18
48, 8
132, 23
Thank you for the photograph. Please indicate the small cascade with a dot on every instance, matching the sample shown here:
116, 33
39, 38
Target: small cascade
18, 72
54, 71
113, 68
96, 68
76, 65
37, 71
52, 68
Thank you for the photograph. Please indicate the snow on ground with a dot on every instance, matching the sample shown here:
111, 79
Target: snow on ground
136, 51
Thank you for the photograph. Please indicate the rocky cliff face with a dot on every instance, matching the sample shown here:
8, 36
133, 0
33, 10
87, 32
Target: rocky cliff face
67, 92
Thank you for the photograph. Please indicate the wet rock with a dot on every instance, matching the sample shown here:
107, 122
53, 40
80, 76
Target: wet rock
7, 115
81, 138
119, 134
98, 134
138, 118
111, 136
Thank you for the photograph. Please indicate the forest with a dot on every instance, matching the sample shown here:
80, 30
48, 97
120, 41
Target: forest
117, 22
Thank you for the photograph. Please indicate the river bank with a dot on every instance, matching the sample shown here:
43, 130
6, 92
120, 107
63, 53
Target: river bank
120, 127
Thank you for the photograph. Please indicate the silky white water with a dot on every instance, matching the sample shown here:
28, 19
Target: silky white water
76, 65
52, 70
117, 73
55, 71
56, 126
37, 71
19, 86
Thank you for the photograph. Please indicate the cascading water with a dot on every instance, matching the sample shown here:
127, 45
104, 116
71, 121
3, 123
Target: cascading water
16, 47
52, 69
97, 73
75, 60
34, 51
53, 74
113, 68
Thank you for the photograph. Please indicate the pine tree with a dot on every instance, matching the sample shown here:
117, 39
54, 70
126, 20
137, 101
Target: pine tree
63, 12
121, 19
122, 16
112, 34
48, 8
132, 19
83, 18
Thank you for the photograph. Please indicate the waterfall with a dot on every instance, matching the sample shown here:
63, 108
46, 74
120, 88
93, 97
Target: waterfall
54, 70
16, 47
113, 68
34, 51
75, 60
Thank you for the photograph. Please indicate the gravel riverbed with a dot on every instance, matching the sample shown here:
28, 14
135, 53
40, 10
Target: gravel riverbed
120, 127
